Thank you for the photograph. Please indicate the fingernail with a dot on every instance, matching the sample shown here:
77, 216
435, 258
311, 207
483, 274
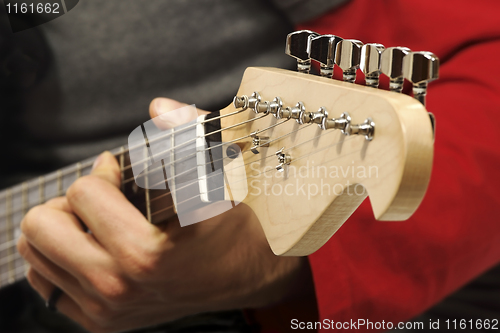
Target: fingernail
172, 113
98, 161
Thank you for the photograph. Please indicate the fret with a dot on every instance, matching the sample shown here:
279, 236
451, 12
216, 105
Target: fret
10, 235
41, 189
24, 195
78, 170
122, 166
172, 180
60, 191
146, 184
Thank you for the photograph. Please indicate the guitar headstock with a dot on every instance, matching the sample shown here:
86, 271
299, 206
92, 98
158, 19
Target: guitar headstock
314, 148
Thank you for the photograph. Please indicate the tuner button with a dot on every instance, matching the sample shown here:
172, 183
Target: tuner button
391, 64
348, 57
298, 45
323, 51
420, 68
370, 63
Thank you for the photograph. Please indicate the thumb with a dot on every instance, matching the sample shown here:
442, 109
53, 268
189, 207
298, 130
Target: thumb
106, 167
168, 113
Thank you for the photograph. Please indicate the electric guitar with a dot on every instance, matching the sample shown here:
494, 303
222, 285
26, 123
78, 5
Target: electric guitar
302, 151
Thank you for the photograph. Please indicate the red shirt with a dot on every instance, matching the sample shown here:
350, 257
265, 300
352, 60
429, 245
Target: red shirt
393, 271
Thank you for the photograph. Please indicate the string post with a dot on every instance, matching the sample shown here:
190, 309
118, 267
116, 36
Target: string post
240, 102
276, 106
342, 123
367, 129
319, 116
299, 113
253, 100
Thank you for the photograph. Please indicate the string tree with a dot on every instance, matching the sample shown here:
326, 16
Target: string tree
370, 63
420, 68
348, 57
298, 46
323, 50
283, 159
258, 142
391, 64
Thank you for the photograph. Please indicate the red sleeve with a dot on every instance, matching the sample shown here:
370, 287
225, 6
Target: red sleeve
393, 271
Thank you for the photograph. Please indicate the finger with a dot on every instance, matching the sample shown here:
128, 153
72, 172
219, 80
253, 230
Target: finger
58, 237
113, 220
51, 272
60, 203
168, 113
65, 305
106, 167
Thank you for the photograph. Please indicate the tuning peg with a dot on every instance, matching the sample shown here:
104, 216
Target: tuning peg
298, 45
391, 64
348, 57
420, 68
370, 63
323, 51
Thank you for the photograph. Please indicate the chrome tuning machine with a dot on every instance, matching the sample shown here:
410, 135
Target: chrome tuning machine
370, 63
391, 64
323, 50
420, 68
298, 46
283, 159
258, 141
348, 58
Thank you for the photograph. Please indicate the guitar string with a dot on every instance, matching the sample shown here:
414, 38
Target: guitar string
315, 137
18, 189
17, 208
3, 246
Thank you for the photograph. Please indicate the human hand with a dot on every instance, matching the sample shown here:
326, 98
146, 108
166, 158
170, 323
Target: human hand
127, 273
